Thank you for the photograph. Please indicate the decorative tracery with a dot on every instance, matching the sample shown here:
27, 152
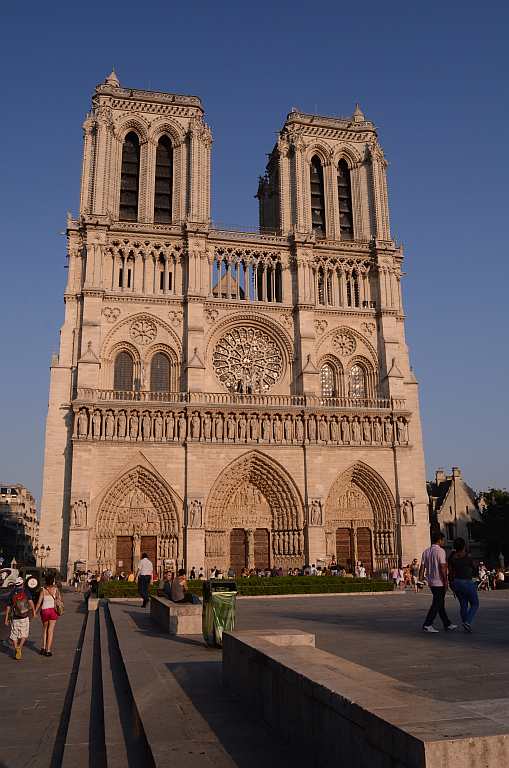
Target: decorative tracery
246, 359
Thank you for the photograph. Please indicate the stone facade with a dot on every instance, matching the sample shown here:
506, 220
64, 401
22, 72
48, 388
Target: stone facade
228, 397
453, 507
19, 524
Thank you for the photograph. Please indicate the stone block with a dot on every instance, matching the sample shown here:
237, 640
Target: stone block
176, 619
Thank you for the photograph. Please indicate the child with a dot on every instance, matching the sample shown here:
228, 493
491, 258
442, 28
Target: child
18, 615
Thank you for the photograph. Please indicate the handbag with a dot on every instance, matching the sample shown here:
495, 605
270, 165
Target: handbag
59, 603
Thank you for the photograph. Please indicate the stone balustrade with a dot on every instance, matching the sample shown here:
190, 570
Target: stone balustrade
189, 422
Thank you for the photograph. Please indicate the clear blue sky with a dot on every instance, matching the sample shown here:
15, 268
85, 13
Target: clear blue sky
432, 76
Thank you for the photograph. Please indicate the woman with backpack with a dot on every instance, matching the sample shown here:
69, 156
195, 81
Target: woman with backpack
51, 605
18, 616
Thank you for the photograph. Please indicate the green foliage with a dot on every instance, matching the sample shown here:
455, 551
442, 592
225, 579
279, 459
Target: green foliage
493, 529
278, 585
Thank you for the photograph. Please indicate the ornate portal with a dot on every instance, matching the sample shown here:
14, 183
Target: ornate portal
247, 360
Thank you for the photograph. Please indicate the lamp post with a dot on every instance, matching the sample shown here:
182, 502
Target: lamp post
42, 552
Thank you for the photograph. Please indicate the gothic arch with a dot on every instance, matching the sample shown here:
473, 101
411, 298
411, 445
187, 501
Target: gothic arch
138, 503
360, 498
109, 340
322, 151
132, 124
325, 343
270, 478
168, 128
349, 155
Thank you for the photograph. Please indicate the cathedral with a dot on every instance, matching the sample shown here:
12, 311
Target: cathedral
227, 398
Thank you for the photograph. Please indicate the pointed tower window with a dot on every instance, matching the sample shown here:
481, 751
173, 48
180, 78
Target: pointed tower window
160, 373
327, 380
130, 178
123, 375
345, 201
164, 181
357, 382
317, 197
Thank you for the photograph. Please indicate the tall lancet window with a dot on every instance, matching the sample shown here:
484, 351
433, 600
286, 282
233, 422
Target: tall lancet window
164, 181
123, 372
317, 198
130, 178
345, 201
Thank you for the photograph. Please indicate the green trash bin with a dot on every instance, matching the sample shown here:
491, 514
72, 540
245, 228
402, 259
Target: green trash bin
218, 615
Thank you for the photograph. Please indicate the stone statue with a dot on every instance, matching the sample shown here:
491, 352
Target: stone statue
334, 430
170, 426
133, 426
82, 423
345, 430
315, 513
195, 514
266, 429
402, 432
242, 428
312, 429
109, 425
299, 429
158, 426
195, 426
230, 427
207, 427
378, 431
182, 428
218, 421
389, 431
288, 429
145, 426
366, 429
323, 428
278, 430
96, 424
356, 430
407, 511
79, 513
121, 424
253, 428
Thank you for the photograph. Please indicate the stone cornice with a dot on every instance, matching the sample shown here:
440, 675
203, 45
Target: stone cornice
152, 97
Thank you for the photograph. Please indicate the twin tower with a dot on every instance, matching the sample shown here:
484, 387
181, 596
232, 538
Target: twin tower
224, 398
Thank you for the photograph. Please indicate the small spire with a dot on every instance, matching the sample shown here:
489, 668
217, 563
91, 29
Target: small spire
358, 114
112, 79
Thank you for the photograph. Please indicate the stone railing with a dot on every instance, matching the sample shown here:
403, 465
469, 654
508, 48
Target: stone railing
235, 423
89, 395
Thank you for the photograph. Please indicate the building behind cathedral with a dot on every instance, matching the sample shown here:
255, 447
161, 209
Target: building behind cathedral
231, 398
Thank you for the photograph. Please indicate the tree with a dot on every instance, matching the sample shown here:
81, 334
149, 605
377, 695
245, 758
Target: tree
493, 528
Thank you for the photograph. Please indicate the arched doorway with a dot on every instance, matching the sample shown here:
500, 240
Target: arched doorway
137, 514
360, 520
254, 517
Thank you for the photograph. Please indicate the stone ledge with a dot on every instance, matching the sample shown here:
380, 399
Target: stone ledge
342, 713
185, 619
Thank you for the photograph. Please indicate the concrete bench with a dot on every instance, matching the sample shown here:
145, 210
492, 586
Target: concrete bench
340, 713
176, 618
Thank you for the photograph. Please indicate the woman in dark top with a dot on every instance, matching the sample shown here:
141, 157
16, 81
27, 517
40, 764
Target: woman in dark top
461, 572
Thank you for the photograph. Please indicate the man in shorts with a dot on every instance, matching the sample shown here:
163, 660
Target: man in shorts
18, 613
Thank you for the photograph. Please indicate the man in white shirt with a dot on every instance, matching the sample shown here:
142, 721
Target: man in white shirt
434, 567
144, 575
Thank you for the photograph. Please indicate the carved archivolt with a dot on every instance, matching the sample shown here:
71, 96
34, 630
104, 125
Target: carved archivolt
347, 340
121, 332
257, 484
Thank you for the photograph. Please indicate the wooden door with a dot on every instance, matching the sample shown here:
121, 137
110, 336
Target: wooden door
261, 548
124, 559
238, 550
149, 547
364, 549
344, 554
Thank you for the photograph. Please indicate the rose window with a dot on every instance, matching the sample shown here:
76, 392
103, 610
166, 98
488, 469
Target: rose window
143, 331
344, 343
247, 360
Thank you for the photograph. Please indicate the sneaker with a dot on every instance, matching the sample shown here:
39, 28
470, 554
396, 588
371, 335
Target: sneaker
451, 627
48, 653
18, 654
42, 652
467, 627
430, 629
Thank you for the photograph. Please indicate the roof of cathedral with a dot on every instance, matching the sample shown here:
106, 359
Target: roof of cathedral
111, 87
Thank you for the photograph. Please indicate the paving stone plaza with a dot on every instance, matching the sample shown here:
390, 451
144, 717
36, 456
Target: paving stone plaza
182, 714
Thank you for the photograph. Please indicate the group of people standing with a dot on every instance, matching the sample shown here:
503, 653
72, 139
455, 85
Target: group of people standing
21, 608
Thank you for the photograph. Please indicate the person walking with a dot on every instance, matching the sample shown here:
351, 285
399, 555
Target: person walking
414, 574
461, 573
144, 575
17, 614
49, 599
434, 567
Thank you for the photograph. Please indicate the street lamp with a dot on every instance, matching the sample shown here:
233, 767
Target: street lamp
42, 552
